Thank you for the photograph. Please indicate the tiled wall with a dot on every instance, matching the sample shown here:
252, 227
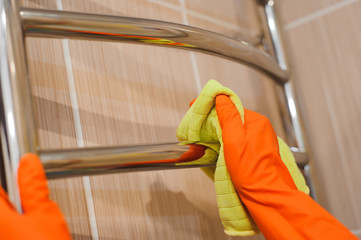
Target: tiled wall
91, 93
325, 47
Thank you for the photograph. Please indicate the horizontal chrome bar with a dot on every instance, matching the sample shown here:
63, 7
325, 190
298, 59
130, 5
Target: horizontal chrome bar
61, 24
103, 160
63, 163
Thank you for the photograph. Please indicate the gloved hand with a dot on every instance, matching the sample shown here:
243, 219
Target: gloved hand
264, 183
42, 219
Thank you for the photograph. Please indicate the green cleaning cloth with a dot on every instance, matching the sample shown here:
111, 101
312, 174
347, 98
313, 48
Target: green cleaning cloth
200, 125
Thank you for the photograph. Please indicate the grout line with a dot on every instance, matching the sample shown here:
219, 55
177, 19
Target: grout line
78, 131
199, 15
165, 4
192, 54
73, 95
215, 20
90, 207
300, 22
79, 137
183, 10
318, 14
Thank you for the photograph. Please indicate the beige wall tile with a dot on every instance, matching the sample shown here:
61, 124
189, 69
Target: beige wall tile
148, 9
54, 120
292, 10
55, 124
159, 205
50, 93
254, 89
38, 4
175, 3
69, 195
257, 93
325, 54
239, 16
224, 29
137, 94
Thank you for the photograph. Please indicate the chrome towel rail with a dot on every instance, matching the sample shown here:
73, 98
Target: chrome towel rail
103, 160
61, 24
18, 132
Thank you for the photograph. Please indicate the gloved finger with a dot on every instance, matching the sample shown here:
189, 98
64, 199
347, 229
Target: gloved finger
229, 116
34, 192
263, 139
257, 125
255, 136
254, 122
233, 133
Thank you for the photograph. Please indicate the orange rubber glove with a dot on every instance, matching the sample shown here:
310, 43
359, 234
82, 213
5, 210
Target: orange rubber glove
42, 219
264, 183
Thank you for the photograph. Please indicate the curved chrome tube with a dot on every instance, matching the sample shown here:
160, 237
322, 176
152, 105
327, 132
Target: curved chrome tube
278, 49
17, 128
103, 160
61, 24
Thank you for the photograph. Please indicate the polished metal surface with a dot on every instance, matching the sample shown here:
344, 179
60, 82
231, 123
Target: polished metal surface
90, 161
274, 31
17, 131
61, 24
278, 50
309, 182
62, 163
295, 116
17, 126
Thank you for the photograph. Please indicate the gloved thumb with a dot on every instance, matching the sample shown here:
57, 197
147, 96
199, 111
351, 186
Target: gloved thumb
34, 192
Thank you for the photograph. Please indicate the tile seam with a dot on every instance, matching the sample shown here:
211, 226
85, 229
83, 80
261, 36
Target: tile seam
192, 54
78, 130
300, 22
201, 16
319, 13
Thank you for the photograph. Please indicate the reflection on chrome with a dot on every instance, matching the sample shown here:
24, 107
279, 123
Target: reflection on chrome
61, 24
17, 128
90, 161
